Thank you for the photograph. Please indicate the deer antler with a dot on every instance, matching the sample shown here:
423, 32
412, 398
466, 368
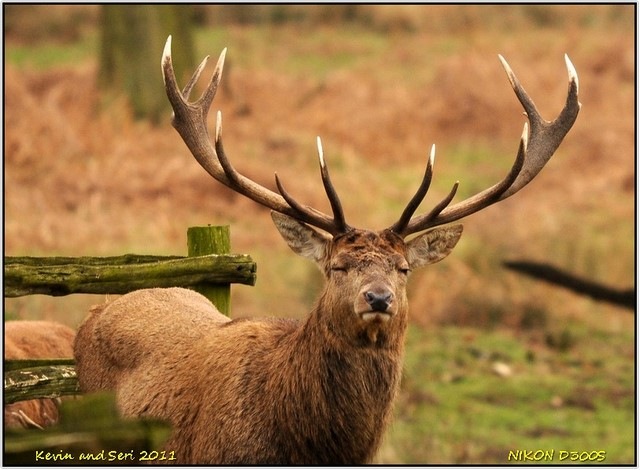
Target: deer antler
535, 150
190, 120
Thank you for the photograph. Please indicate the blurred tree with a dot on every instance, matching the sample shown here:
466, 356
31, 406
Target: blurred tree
132, 41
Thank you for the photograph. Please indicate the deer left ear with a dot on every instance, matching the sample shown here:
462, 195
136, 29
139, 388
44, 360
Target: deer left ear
432, 246
301, 238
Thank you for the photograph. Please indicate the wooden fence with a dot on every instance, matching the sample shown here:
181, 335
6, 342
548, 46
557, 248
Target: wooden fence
209, 269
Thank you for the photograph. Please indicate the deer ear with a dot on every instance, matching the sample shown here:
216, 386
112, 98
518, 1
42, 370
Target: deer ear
301, 238
432, 246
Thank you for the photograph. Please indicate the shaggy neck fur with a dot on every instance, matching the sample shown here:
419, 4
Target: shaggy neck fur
347, 392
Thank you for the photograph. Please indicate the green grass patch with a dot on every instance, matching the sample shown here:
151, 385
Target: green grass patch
46, 55
211, 41
316, 56
453, 407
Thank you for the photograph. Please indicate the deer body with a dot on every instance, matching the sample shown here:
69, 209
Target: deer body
265, 391
252, 391
318, 391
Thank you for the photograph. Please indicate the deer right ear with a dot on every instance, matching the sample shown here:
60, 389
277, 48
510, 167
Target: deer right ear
301, 238
432, 246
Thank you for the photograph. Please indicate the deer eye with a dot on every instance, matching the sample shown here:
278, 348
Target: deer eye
404, 269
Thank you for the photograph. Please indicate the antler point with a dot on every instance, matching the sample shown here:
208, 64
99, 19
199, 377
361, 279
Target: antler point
510, 74
220, 64
218, 125
320, 152
166, 53
573, 75
525, 135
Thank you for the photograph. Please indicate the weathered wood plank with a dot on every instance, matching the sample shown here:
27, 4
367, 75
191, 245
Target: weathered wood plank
64, 279
129, 258
40, 382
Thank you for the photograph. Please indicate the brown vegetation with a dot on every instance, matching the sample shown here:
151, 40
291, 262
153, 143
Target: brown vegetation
83, 178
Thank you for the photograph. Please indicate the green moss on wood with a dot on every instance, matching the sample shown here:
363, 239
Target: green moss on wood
98, 278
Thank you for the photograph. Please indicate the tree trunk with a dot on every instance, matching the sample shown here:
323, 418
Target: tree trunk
133, 38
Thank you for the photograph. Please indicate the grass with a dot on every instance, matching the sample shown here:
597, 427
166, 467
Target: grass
379, 96
454, 408
301, 58
48, 55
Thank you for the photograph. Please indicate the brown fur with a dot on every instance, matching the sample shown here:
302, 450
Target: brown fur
263, 391
35, 340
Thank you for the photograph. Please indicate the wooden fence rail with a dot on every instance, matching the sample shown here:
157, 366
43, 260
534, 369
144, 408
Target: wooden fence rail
26, 382
209, 269
119, 275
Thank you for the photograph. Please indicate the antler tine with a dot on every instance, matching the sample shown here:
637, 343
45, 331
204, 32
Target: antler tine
545, 136
401, 225
338, 224
168, 76
540, 139
186, 91
189, 119
442, 215
442, 204
245, 186
334, 200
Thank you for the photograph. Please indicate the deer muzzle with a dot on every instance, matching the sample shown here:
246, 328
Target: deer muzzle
376, 302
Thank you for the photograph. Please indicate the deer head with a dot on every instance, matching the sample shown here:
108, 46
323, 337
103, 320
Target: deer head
366, 270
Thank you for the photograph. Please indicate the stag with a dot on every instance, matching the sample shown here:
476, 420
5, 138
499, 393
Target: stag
275, 390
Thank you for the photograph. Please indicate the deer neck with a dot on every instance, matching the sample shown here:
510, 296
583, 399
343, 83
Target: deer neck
340, 328
347, 355
346, 388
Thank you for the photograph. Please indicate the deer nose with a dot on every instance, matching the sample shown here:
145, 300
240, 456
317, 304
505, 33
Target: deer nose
379, 301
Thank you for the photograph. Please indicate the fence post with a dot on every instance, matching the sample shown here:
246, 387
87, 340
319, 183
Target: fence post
207, 241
